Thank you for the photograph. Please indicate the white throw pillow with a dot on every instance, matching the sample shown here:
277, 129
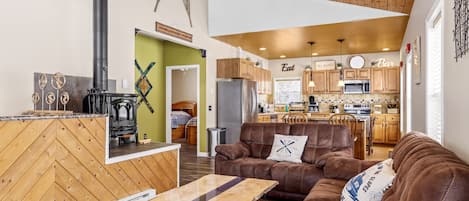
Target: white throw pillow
287, 148
371, 184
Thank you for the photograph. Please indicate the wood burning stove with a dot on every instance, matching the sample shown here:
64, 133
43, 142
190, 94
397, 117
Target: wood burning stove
121, 108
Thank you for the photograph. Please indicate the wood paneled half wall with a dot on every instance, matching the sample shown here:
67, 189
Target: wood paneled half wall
64, 159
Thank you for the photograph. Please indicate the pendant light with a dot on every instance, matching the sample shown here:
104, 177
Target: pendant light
341, 80
311, 82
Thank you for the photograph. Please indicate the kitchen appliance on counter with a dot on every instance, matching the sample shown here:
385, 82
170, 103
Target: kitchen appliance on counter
313, 105
392, 109
296, 106
237, 104
334, 109
356, 86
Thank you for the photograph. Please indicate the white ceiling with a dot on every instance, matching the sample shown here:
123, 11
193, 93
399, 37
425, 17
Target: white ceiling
226, 17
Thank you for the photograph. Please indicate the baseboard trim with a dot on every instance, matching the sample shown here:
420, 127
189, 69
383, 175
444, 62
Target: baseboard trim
202, 154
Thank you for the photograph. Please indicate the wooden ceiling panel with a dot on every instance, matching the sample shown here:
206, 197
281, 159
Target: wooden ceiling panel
360, 37
401, 6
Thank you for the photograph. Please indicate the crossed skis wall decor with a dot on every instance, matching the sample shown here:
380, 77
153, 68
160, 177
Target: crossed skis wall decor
143, 86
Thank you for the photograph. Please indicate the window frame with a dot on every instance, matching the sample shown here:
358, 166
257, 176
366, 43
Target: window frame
436, 13
284, 79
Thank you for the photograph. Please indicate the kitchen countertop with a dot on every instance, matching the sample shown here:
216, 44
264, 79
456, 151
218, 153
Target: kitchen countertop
57, 116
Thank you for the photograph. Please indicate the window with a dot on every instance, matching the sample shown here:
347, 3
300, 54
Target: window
434, 119
287, 90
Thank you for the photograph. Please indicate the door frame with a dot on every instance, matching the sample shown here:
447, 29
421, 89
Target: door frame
169, 70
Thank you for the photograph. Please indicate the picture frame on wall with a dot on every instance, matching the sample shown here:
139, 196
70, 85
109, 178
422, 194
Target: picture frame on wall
325, 65
416, 61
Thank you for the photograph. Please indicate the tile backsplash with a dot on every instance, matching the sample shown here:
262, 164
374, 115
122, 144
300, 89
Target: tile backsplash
356, 98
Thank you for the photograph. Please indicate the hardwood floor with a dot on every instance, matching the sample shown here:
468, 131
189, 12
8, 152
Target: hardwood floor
192, 167
380, 152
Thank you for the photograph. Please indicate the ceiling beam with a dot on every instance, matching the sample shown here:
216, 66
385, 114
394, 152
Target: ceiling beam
401, 6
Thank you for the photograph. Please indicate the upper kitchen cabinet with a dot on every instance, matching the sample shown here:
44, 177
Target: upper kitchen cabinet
357, 74
392, 80
385, 80
244, 69
320, 82
325, 82
306, 79
235, 68
333, 77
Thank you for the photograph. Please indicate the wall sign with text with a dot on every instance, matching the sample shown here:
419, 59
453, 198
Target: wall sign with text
286, 68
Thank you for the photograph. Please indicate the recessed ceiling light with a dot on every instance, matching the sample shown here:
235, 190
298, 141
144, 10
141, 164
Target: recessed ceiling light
262, 49
315, 54
386, 49
283, 56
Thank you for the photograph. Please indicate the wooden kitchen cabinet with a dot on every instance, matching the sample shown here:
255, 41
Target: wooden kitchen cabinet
320, 81
392, 80
377, 80
235, 68
385, 80
333, 78
350, 74
364, 74
305, 82
357, 74
242, 68
386, 129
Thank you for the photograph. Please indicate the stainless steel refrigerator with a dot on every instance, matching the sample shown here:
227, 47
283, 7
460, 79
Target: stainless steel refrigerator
236, 104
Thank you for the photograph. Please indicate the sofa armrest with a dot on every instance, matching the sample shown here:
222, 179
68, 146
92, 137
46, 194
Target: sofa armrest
345, 168
321, 160
232, 151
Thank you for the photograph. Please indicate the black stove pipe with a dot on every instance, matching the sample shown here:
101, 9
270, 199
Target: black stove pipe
100, 54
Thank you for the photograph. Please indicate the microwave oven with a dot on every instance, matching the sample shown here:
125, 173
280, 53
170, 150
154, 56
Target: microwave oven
356, 86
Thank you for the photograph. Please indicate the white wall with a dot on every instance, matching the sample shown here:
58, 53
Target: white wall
126, 15
456, 91
184, 85
56, 35
41, 36
415, 28
300, 63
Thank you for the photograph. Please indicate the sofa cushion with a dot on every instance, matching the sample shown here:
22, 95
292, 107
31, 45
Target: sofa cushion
427, 171
288, 148
260, 136
326, 190
370, 184
295, 177
322, 139
247, 167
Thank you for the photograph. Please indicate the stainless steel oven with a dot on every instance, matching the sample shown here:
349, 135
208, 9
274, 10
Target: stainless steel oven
357, 87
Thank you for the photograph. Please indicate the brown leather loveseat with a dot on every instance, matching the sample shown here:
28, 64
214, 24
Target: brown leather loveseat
248, 157
425, 171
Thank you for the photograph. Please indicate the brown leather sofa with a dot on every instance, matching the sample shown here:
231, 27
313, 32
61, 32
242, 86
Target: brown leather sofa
426, 171
248, 157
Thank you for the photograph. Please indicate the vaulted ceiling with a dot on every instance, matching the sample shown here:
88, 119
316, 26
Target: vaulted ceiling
361, 36
400, 6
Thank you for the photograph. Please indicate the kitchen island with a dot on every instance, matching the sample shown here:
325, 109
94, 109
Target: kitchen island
360, 133
66, 157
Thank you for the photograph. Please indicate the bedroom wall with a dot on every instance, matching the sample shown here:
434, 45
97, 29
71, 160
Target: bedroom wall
184, 87
176, 55
149, 50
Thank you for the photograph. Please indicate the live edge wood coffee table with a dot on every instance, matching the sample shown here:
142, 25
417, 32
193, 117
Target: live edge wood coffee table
219, 187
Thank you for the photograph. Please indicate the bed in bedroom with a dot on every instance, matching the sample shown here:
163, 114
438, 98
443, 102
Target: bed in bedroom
183, 120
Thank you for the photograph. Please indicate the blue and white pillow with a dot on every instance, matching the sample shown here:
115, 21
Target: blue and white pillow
371, 184
288, 148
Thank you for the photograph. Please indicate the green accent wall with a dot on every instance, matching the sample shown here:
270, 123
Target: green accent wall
149, 50
176, 55
166, 53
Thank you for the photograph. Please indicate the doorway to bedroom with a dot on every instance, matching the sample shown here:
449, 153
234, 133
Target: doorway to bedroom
182, 106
